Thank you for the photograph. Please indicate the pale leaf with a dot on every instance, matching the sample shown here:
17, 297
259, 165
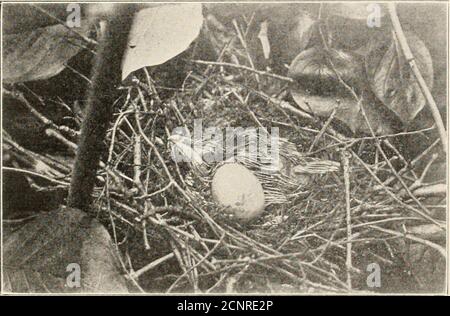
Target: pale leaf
160, 33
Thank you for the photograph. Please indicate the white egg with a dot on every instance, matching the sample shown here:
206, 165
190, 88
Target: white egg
236, 187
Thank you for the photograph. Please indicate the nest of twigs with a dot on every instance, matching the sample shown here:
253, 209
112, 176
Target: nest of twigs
174, 238
326, 237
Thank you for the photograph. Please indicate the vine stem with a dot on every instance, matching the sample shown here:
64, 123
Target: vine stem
348, 261
412, 64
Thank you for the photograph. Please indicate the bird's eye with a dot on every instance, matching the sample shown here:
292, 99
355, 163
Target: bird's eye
390, 92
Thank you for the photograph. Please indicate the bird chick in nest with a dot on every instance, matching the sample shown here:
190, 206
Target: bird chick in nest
282, 170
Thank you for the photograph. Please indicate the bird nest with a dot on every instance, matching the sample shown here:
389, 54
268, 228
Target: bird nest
318, 236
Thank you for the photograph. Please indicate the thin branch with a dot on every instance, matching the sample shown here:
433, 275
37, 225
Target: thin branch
35, 174
422, 84
152, 265
259, 72
70, 29
348, 261
440, 249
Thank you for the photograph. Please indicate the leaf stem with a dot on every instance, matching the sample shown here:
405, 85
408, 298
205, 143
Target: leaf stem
412, 64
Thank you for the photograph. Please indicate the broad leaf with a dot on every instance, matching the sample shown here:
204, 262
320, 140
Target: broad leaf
21, 17
427, 266
161, 33
25, 280
351, 26
299, 35
37, 257
38, 54
360, 11
392, 79
318, 90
